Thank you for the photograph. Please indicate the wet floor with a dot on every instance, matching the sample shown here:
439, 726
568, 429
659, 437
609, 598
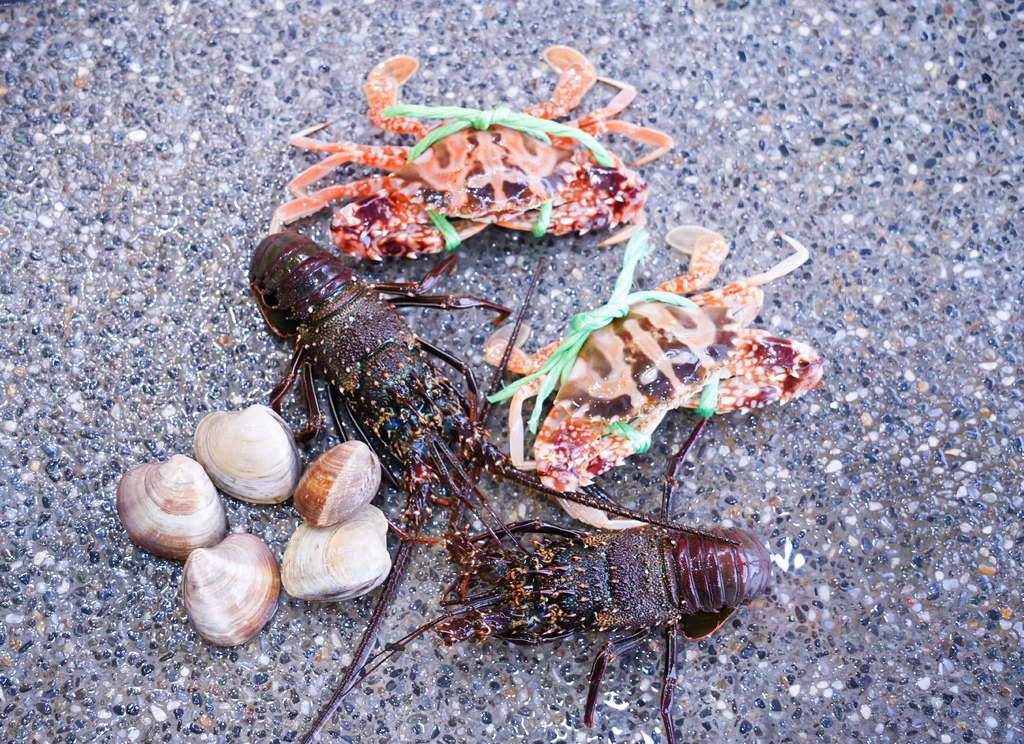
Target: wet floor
144, 150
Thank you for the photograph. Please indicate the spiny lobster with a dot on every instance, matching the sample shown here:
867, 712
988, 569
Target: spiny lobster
427, 434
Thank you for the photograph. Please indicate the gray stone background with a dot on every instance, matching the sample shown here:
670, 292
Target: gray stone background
143, 150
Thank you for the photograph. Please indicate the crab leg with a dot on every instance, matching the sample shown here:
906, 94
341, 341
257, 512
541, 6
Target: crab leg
744, 296
575, 216
625, 233
619, 102
519, 362
577, 77
706, 249
661, 142
308, 204
384, 158
381, 90
598, 122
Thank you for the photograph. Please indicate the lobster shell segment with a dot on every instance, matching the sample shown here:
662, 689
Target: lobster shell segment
291, 276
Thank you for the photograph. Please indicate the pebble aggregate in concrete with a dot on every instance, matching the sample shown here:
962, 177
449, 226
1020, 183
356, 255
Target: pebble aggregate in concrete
144, 149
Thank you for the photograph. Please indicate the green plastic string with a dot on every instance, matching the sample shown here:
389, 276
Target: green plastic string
451, 237
708, 397
464, 118
557, 367
543, 219
641, 442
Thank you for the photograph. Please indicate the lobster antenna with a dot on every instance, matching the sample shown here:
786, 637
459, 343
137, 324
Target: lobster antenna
392, 649
485, 411
452, 465
586, 498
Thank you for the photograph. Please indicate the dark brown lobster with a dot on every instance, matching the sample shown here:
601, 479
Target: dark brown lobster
426, 433
626, 582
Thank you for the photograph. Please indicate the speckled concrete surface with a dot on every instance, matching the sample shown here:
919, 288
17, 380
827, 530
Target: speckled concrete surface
144, 149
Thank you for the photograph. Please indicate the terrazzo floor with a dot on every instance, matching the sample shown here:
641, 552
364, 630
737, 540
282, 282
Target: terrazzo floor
144, 148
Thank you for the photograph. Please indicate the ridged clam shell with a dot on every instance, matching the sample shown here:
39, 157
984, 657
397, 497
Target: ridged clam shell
249, 454
337, 484
231, 589
171, 508
337, 562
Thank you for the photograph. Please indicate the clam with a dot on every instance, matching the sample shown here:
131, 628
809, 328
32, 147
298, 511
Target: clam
231, 589
337, 484
337, 562
171, 508
250, 454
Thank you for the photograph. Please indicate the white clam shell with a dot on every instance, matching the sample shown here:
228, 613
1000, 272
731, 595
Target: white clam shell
249, 454
337, 562
231, 589
337, 484
171, 508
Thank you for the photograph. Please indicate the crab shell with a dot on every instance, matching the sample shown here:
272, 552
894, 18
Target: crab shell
493, 176
636, 369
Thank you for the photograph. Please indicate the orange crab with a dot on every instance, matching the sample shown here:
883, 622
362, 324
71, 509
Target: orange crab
657, 358
495, 175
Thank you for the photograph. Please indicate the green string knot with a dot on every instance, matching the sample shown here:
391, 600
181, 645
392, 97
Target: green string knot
449, 233
465, 118
557, 367
543, 219
641, 441
708, 397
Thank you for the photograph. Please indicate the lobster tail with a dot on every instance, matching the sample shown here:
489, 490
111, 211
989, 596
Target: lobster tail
291, 277
712, 575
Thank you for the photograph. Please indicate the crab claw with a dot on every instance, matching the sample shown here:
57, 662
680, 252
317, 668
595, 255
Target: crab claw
391, 73
561, 57
806, 372
572, 451
380, 225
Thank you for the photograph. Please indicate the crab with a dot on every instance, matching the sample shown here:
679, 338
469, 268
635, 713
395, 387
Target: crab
475, 177
657, 358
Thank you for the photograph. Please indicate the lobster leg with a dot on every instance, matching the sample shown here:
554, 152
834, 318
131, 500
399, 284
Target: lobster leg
424, 285
288, 378
297, 367
610, 650
336, 407
452, 302
461, 366
675, 466
541, 527
668, 684
411, 294
314, 416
